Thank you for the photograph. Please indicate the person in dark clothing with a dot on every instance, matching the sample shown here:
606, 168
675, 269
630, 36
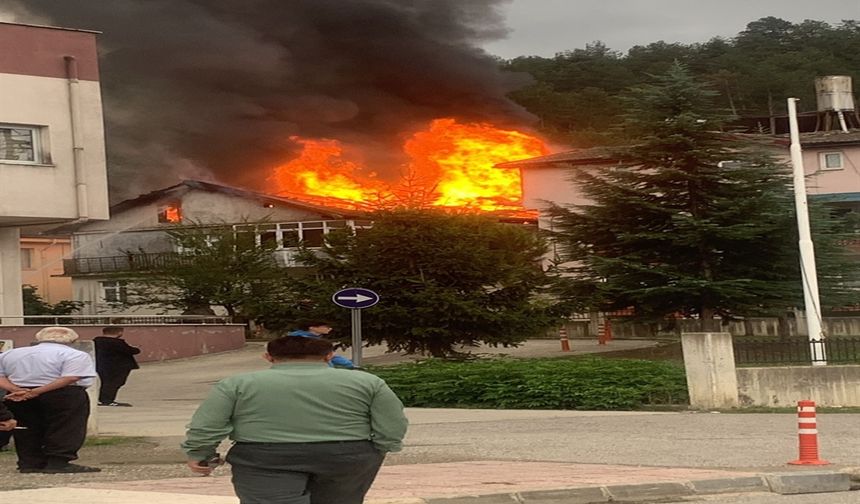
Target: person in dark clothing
7, 421
7, 425
114, 362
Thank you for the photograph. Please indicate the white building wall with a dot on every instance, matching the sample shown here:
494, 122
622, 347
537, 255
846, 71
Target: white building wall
46, 192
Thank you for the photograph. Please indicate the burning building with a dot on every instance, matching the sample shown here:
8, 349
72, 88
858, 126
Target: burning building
371, 102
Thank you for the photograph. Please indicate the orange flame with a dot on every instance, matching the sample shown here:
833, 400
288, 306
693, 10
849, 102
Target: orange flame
450, 165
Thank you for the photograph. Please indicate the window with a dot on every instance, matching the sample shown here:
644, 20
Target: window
170, 214
830, 160
27, 258
21, 144
114, 291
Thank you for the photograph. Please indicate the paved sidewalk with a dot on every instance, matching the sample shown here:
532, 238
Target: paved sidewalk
411, 481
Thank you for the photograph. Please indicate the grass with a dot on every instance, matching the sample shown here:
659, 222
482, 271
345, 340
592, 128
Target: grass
111, 440
587, 383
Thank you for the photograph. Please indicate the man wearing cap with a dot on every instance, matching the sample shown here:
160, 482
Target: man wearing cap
47, 394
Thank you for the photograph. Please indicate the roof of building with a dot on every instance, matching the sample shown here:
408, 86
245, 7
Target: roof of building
159, 194
594, 155
48, 27
830, 138
606, 155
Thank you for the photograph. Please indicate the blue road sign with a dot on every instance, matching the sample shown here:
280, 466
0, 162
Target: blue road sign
355, 298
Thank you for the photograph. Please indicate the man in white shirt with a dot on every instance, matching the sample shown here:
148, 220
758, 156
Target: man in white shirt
47, 394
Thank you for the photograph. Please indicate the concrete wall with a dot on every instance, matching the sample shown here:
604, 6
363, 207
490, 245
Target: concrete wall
157, 343
11, 302
783, 386
710, 366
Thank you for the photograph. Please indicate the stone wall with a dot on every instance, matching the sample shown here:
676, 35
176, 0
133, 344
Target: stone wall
157, 342
836, 386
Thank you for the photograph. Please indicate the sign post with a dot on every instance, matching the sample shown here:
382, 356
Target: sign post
356, 299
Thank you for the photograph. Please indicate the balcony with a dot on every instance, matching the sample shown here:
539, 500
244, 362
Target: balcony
128, 263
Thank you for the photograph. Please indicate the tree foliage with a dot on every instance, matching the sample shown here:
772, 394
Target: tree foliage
444, 280
575, 93
218, 267
34, 304
694, 221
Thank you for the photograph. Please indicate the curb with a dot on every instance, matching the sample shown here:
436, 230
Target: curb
779, 483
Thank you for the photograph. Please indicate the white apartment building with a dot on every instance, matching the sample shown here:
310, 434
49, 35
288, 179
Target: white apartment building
52, 151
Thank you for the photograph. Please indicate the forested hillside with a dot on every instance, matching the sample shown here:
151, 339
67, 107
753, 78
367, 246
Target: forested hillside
574, 93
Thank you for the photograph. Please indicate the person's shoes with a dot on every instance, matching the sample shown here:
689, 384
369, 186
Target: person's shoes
28, 470
68, 469
115, 404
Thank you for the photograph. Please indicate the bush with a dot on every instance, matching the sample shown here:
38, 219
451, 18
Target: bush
584, 384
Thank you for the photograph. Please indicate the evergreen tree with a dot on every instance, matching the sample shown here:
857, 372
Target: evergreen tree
694, 221
444, 280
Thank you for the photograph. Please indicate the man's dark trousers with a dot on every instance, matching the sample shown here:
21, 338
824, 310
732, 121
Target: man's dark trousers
304, 473
56, 427
111, 382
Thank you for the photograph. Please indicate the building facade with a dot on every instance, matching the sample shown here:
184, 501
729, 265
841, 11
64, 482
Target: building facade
42, 266
52, 152
108, 255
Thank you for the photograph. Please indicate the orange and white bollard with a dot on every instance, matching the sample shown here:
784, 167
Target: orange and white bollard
807, 432
562, 336
604, 332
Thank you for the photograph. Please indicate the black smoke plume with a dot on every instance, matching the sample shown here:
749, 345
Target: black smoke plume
215, 88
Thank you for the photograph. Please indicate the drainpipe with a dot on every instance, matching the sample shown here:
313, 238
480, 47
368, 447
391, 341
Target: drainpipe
77, 143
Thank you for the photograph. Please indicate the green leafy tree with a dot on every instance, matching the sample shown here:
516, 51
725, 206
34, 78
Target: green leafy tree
694, 221
34, 304
445, 280
754, 72
217, 267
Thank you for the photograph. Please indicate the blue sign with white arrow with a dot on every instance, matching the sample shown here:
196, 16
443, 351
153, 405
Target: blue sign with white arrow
355, 298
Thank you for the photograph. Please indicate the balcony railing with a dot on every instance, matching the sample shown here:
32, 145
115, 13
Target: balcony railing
128, 263
101, 320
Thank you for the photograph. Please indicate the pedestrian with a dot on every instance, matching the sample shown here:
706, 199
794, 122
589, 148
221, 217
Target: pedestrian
319, 329
47, 394
114, 362
304, 433
5, 434
7, 421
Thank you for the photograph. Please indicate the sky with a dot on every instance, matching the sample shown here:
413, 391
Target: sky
545, 27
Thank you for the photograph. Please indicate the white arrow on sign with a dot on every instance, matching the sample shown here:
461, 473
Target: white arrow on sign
358, 298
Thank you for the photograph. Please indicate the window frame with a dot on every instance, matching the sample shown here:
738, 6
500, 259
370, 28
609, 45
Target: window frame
822, 161
37, 134
120, 288
29, 253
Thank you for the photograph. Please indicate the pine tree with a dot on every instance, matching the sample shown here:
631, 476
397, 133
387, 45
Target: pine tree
694, 221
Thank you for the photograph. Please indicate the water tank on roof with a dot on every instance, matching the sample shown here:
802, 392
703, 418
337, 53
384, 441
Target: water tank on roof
834, 92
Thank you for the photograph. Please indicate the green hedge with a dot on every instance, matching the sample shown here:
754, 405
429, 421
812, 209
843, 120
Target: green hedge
586, 384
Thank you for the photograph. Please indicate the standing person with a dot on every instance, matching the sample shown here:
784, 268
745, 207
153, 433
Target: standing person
7, 421
114, 362
304, 433
47, 394
318, 329
5, 416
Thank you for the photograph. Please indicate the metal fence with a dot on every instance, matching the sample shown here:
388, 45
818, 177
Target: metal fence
773, 351
101, 320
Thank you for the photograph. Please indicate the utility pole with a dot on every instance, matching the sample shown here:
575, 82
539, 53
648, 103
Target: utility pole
809, 275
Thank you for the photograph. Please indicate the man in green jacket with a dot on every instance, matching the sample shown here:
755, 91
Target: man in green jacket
304, 433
